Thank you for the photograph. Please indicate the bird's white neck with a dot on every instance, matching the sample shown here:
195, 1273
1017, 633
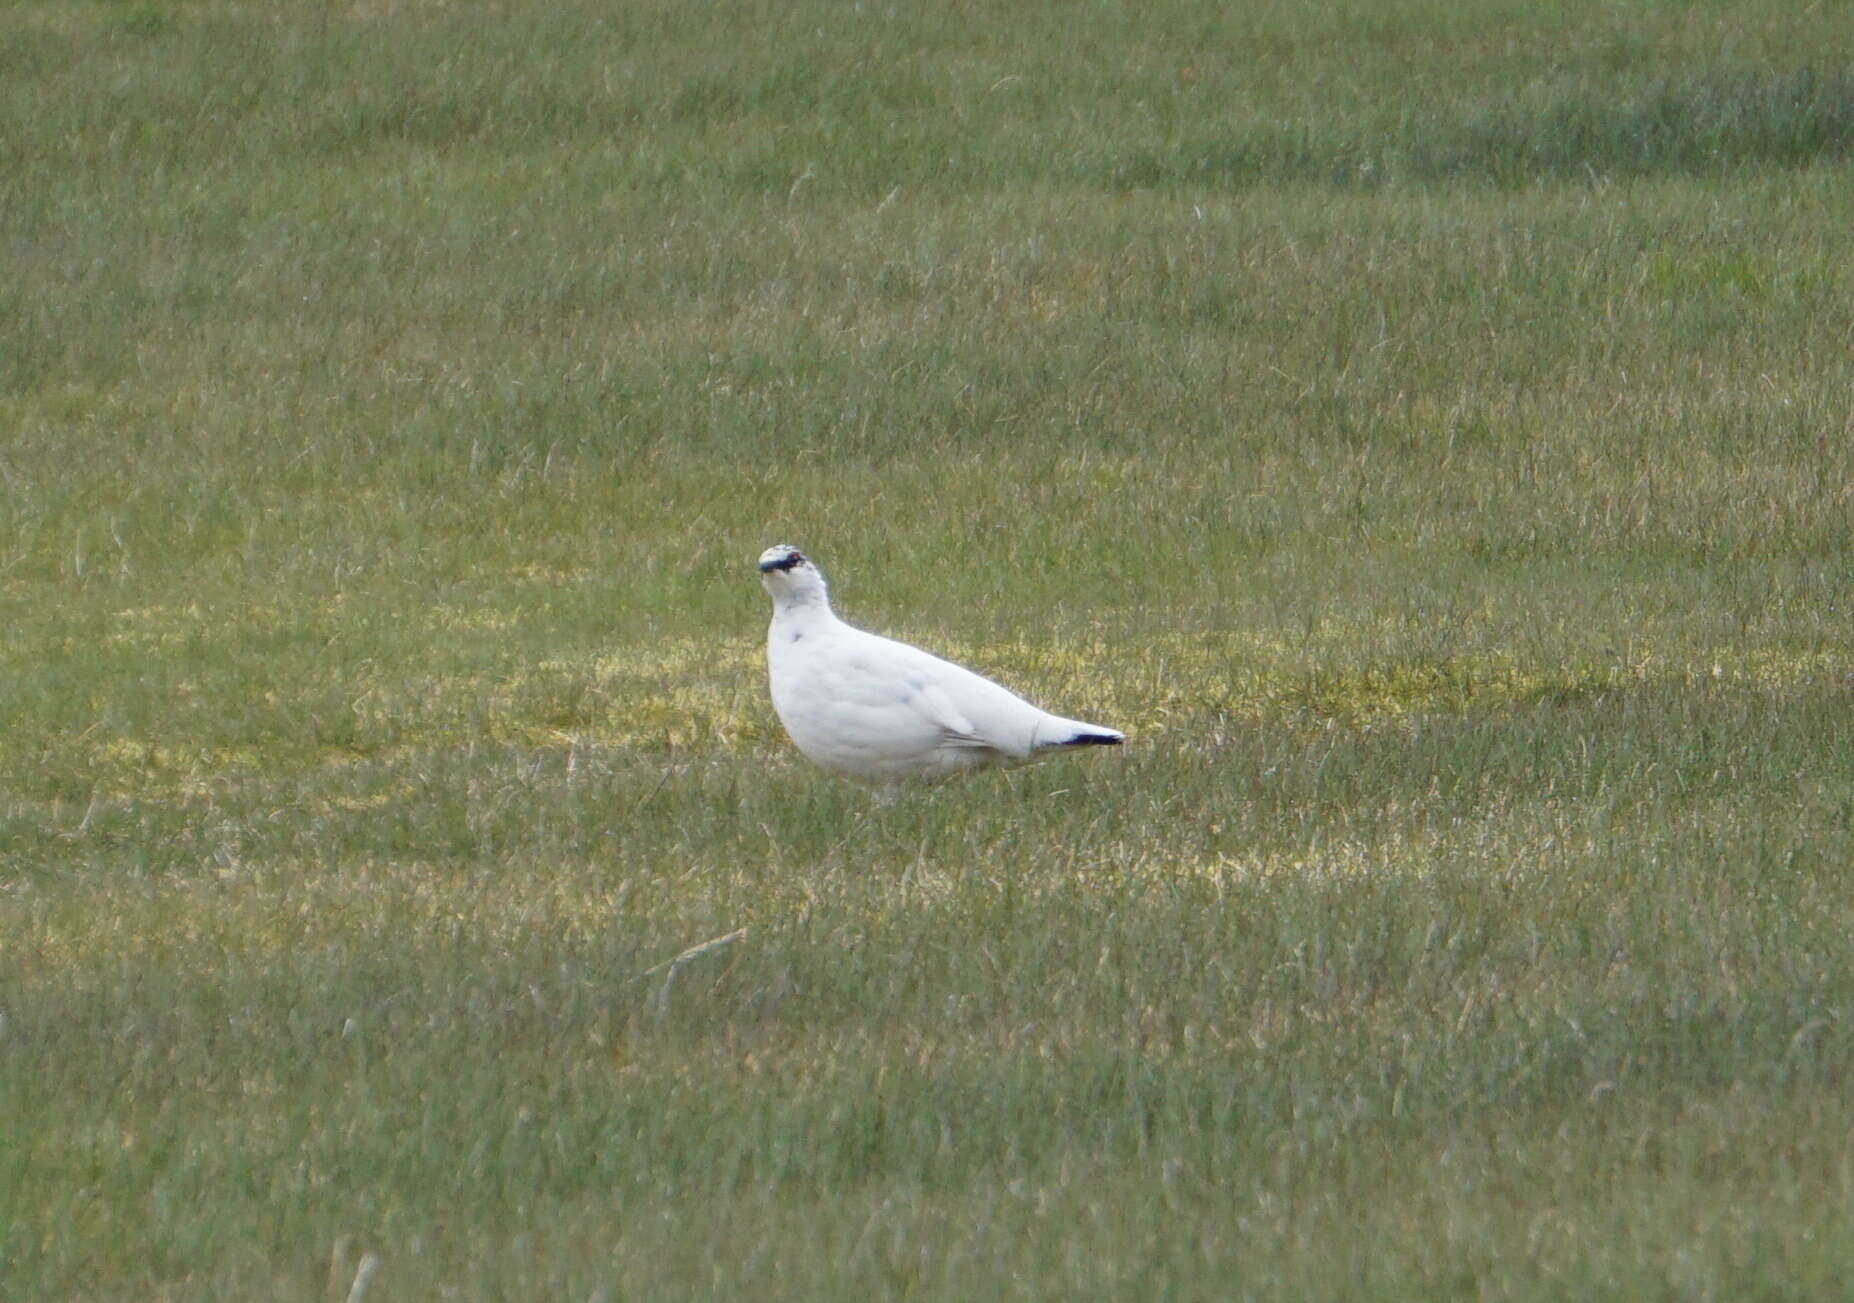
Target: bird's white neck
803, 604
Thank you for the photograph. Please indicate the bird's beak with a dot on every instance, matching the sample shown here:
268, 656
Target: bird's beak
766, 567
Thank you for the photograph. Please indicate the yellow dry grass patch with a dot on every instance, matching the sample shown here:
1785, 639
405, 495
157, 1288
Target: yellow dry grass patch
1258, 675
446, 618
694, 695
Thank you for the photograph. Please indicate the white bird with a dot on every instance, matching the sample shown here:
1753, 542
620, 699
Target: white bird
878, 710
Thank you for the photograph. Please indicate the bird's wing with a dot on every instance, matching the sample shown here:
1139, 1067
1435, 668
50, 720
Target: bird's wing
935, 703
864, 704
971, 709
923, 687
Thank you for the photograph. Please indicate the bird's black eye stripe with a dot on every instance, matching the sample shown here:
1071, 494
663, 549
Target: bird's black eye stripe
786, 562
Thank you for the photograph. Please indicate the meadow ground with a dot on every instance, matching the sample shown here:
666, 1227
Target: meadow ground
1424, 427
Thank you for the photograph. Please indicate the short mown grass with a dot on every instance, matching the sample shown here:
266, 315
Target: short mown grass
1423, 427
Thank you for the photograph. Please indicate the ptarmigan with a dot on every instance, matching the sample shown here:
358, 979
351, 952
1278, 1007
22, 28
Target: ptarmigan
881, 711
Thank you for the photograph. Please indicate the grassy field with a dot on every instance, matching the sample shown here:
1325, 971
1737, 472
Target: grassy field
1424, 427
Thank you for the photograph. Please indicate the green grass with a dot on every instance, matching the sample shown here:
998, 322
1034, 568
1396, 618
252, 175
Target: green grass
1422, 426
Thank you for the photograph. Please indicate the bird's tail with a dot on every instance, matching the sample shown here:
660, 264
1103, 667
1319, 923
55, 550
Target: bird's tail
1057, 732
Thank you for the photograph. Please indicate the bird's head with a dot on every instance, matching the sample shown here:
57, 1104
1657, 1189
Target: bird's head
789, 575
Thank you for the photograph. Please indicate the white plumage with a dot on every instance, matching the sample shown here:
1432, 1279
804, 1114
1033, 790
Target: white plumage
878, 710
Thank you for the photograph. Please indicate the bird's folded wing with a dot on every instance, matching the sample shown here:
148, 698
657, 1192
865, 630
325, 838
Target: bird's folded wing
933, 702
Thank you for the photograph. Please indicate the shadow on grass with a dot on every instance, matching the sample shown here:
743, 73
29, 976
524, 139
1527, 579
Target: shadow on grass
1697, 124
